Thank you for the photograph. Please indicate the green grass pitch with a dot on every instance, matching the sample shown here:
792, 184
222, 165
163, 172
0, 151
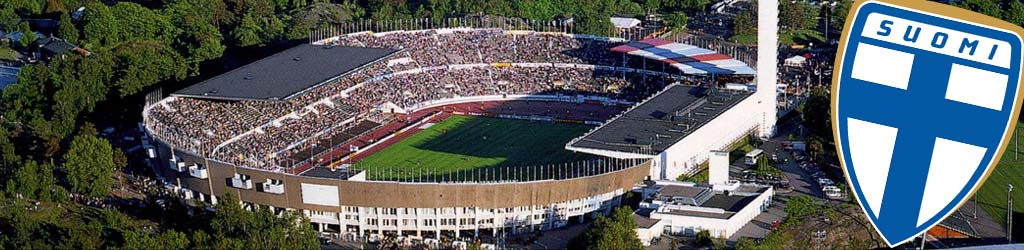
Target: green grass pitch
992, 195
463, 144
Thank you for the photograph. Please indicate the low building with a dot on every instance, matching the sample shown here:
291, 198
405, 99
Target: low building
685, 208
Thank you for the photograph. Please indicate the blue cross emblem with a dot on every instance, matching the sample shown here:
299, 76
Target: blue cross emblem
923, 105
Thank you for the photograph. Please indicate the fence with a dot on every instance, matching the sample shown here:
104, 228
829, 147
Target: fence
496, 174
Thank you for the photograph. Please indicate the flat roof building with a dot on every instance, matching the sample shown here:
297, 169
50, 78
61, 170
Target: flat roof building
669, 208
286, 74
676, 127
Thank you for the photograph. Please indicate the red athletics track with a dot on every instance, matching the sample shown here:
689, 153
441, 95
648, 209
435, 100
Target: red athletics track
407, 125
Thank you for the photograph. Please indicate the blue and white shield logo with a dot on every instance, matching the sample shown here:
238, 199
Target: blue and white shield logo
923, 105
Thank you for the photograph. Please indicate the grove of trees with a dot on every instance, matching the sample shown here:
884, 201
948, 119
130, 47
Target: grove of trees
50, 226
615, 232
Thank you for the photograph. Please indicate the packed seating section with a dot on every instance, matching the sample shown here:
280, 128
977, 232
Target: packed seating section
433, 65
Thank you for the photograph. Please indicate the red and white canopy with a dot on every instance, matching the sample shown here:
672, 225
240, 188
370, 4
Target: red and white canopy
687, 58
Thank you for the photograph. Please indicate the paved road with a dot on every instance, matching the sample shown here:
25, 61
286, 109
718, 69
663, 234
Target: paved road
800, 181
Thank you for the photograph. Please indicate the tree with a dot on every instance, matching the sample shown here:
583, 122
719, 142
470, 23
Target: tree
616, 232
1014, 13
797, 21
200, 39
8, 19
593, 18
260, 229
54, 7
142, 64
100, 27
677, 21
169, 240
27, 35
703, 238
799, 207
987, 7
66, 30
247, 33
840, 13
744, 27
23, 7
33, 180
89, 164
138, 23
816, 112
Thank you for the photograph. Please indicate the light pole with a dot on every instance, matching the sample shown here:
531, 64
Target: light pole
1009, 213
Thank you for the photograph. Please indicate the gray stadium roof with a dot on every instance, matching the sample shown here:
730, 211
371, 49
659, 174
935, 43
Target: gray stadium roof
286, 74
661, 121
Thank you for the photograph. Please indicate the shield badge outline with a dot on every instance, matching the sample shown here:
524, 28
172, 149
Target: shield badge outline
988, 162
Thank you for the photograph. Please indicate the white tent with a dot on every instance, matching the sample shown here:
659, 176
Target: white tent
795, 61
624, 23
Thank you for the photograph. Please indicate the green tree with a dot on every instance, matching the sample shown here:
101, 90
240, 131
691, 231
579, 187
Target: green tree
703, 238
89, 164
142, 64
816, 112
33, 180
8, 19
100, 27
1014, 12
54, 7
27, 35
987, 7
798, 21
616, 232
169, 240
67, 30
594, 19
247, 33
677, 21
839, 14
23, 7
260, 229
80, 83
200, 39
798, 207
744, 27
137, 23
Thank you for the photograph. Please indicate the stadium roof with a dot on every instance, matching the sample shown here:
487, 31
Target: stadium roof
286, 74
687, 58
659, 122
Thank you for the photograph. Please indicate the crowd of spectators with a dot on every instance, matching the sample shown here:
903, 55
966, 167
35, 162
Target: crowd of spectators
433, 65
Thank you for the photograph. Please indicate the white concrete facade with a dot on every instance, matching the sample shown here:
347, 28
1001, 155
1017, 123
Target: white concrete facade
687, 220
729, 127
722, 228
365, 221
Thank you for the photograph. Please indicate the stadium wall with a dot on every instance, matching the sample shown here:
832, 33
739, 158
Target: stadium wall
684, 156
389, 194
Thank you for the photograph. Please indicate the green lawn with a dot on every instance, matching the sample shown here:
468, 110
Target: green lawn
992, 195
7, 54
462, 145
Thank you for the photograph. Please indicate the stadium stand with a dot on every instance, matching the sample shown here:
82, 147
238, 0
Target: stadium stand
265, 130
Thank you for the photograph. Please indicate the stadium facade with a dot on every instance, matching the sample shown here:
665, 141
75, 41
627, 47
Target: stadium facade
345, 202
